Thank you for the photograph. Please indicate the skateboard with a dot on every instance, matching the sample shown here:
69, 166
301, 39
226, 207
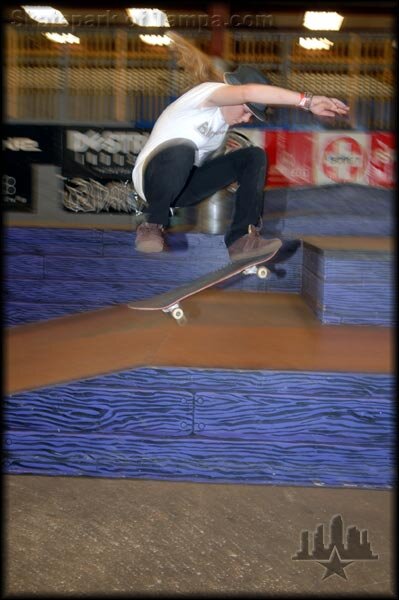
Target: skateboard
169, 302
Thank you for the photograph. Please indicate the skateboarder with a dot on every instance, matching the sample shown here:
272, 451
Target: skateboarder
172, 169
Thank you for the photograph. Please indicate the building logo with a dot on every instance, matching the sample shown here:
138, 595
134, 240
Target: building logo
337, 555
103, 151
343, 160
23, 144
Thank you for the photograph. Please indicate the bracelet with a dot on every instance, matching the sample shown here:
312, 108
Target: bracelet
305, 101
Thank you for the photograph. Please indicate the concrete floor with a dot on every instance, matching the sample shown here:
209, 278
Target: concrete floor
82, 536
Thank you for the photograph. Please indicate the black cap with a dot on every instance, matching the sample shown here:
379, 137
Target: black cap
246, 74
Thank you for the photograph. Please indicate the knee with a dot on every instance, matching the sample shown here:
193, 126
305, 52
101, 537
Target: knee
257, 156
252, 157
169, 164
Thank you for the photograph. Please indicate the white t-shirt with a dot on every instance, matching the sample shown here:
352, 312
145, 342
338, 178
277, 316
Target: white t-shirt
186, 118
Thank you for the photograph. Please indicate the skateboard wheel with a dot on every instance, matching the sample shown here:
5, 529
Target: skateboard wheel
263, 272
178, 314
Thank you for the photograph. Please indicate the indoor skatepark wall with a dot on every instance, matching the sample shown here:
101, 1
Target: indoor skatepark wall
283, 426
112, 77
258, 427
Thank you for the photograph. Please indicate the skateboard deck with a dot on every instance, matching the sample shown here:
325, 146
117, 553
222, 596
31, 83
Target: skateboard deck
169, 302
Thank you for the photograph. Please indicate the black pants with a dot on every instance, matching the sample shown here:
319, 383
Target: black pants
172, 180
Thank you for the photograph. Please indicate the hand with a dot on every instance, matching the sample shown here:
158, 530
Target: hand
328, 107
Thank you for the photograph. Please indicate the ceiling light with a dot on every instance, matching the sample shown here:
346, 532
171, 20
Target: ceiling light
315, 43
323, 21
46, 15
148, 17
156, 40
62, 38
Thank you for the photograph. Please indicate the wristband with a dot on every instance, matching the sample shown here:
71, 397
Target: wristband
305, 101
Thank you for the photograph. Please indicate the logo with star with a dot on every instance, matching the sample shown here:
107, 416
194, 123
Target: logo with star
340, 553
335, 565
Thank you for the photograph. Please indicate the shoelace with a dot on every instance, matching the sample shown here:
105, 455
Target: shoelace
253, 231
153, 226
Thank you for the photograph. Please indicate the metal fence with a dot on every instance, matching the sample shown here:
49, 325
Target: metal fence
112, 77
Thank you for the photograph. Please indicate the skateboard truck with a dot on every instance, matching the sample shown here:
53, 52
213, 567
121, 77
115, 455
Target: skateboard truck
262, 272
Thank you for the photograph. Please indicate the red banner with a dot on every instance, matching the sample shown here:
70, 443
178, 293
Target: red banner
381, 166
320, 158
290, 158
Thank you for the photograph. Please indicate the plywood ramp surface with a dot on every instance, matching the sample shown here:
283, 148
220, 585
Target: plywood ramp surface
384, 244
232, 330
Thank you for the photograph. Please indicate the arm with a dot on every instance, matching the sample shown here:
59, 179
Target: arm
231, 95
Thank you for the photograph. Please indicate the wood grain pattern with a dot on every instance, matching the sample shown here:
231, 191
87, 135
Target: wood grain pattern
195, 459
43, 240
122, 424
24, 266
56, 272
81, 409
330, 210
349, 285
296, 418
323, 385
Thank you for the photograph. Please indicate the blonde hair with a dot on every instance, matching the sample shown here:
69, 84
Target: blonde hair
193, 61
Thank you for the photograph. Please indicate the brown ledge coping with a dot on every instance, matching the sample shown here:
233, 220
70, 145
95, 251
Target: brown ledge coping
229, 330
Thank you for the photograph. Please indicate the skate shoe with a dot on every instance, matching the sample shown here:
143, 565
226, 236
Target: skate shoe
251, 245
150, 237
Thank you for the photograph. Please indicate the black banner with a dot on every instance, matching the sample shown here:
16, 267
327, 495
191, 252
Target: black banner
101, 154
24, 146
94, 162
